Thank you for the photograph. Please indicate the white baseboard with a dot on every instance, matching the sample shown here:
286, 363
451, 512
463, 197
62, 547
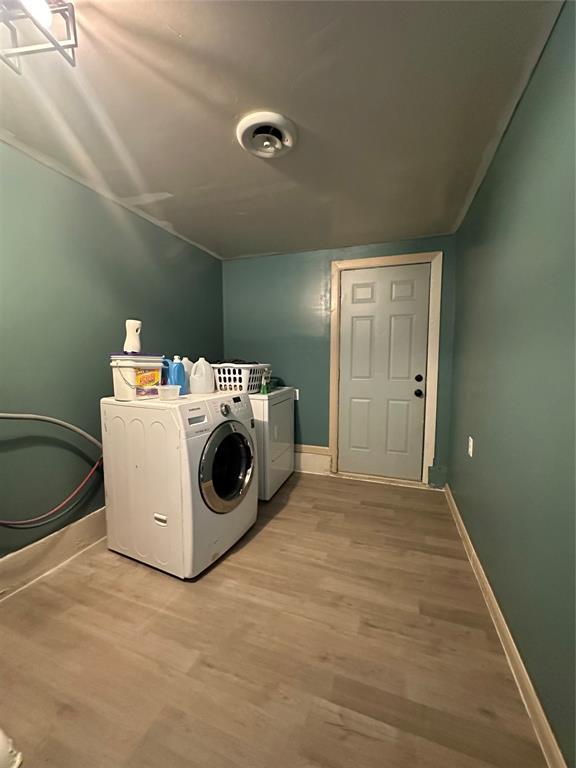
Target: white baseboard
26, 565
317, 460
387, 481
322, 450
312, 459
544, 733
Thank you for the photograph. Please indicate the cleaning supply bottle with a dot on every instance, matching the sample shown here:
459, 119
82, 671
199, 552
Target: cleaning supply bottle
202, 377
179, 374
173, 373
264, 386
188, 365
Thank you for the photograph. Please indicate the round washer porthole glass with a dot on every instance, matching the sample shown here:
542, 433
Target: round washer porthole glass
226, 467
231, 461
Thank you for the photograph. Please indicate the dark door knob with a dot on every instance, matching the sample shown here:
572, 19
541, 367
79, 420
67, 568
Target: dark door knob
418, 393
418, 377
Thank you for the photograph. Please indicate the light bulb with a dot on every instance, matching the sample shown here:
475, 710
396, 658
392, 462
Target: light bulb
267, 143
40, 11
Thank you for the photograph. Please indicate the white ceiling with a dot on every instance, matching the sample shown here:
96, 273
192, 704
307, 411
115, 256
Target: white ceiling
400, 106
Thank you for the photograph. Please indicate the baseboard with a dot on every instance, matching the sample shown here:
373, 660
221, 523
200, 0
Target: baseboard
29, 563
387, 481
321, 450
544, 733
312, 459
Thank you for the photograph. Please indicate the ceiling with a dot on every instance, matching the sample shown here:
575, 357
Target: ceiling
400, 106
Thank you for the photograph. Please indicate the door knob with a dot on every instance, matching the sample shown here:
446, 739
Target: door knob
418, 377
418, 393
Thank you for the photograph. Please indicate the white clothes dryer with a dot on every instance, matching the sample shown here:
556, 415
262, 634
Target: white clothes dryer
274, 415
180, 478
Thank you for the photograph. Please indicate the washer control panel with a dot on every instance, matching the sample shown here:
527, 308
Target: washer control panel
201, 416
196, 418
232, 407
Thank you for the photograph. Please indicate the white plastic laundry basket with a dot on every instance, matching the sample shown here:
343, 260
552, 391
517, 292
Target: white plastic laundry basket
240, 377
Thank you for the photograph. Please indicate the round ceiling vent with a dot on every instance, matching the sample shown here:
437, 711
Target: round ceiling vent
266, 134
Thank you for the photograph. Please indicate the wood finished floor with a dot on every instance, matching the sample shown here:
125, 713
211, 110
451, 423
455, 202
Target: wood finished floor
346, 631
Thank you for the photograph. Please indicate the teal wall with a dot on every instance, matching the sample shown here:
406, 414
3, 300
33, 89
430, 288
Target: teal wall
73, 267
277, 310
514, 378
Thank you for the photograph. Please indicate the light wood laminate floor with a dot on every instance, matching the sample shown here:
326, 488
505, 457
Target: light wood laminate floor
345, 631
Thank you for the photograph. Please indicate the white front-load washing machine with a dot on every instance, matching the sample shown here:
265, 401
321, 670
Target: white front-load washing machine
180, 478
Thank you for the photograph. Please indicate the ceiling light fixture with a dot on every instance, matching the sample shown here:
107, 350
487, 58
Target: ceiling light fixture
266, 134
16, 14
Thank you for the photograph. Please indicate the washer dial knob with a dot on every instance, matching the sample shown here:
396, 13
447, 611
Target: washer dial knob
225, 409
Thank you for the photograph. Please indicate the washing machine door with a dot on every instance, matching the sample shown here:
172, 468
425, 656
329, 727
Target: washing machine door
226, 467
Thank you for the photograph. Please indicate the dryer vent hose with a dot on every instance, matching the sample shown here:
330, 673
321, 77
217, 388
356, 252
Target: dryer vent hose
55, 512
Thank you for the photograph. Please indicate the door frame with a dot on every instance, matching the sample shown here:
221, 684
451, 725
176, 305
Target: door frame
434, 258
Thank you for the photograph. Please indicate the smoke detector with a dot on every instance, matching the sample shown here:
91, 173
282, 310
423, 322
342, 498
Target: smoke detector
266, 134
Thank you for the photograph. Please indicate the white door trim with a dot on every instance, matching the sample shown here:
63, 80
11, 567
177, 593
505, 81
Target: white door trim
435, 260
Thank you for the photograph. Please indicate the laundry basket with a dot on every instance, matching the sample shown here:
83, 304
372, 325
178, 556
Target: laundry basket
240, 377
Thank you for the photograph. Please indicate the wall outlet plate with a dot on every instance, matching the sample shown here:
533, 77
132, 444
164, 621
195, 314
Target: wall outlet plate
470, 446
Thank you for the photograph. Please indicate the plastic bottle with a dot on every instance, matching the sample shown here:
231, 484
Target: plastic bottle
187, 363
202, 377
264, 386
178, 374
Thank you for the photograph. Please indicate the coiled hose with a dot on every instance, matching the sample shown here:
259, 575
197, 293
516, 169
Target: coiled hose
52, 514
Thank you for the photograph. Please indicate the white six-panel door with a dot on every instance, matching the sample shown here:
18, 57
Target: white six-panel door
383, 351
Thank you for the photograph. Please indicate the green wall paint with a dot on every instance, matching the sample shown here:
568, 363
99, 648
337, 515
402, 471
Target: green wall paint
73, 267
514, 378
277, 309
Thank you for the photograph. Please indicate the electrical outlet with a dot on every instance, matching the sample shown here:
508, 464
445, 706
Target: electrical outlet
296, 394
470, 446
